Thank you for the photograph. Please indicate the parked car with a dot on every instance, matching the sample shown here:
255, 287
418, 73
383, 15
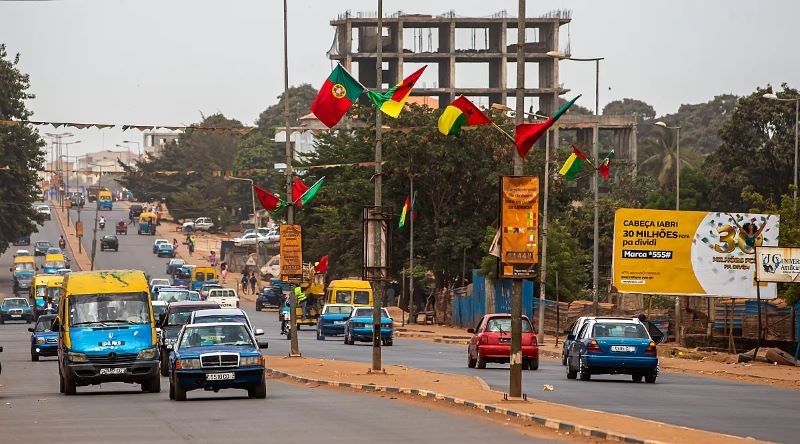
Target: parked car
171, 322
332, 320
217, 356
44, 210
359, 326
158, 242
40, 248
271, 296
250, 239
173, 265
165, 250
614, 346
44, 341
199, 224
109, 242
16, 309
491, 342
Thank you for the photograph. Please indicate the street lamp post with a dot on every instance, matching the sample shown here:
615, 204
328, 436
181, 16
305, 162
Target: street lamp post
796, 100
138, 150
595, 178
57, 138
252, 195
677, 161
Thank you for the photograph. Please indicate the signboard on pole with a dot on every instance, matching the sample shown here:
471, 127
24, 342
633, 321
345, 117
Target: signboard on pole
690, 253
519, 226
777, 264
291, 251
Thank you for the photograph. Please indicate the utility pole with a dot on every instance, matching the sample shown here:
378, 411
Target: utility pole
377, 283
515, 378
543, 246
412, 319
294, 347
596, 188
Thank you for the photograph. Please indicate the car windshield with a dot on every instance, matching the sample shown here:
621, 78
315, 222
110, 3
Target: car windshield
619, 330
53, 250
212, 319
55, 264
182, 273
209, 336
17, 302
158, 310
503, 325
24, 266
180, 316
43, 245
131, 308
361, 297
41, 291
54, 293
44, 324
170, 296
159, 282
338, 309
367, 312
109, 237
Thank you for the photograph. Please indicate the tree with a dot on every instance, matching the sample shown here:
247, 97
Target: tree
756, 151
300, 98
630, 106
21, 155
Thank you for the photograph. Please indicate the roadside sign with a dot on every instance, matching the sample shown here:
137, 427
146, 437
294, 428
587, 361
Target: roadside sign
777, 264
291, 252
79, 228
519, 226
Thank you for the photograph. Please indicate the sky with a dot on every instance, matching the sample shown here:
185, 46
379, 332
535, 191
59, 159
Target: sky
168, 62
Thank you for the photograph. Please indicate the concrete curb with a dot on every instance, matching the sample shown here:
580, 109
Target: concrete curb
550, 423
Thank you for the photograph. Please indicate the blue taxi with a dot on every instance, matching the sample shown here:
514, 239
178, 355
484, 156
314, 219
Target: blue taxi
359, 326
165, 250
44, 341
16, 309
332, 320
216, 356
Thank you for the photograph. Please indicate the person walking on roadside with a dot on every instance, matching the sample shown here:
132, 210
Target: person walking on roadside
253, 282
190, 244
212, 258
223, 271
244, 282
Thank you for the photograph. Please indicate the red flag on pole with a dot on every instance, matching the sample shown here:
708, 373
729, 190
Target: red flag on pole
298, 188
268, 200
322, 265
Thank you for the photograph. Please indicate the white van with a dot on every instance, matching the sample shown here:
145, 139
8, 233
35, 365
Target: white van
225, 297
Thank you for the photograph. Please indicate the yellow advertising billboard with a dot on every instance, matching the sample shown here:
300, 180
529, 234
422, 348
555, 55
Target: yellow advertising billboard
291, 251
519, 226
690, 253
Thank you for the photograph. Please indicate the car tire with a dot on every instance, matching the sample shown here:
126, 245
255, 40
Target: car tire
2, 320
171, 391
70, 388
650, 379
471, 362
154, 384
179, 391
164, 366
320, 336
481, 361
259, 391
563, 359
347, 338
61, 385
388, 342
29, 319
116, 249
34, 356
583, 372
258, 308
533, 364
637, 378
571, 373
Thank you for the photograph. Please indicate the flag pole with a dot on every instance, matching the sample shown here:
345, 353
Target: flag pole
309, 189
377, 275
504, 133
294, 346
411, 258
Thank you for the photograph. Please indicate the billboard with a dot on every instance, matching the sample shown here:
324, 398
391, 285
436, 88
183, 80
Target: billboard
690, 253
519, 226
291, 251
777, 264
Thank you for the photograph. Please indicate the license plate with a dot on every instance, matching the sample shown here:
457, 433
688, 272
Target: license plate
622, 348
16, 316
220, 376
113, 371
338, 322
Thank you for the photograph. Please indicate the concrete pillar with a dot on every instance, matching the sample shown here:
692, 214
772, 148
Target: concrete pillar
451, 81
346, 43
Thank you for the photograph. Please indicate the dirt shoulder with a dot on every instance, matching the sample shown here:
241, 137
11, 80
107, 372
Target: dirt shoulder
476, 391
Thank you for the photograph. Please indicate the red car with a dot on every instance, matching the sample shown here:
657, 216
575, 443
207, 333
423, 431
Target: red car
491, 342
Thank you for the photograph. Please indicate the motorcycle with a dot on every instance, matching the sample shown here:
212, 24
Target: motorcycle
102, 225
286, 329
62, 244
1, 365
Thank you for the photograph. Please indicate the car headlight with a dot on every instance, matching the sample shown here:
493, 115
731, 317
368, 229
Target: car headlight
77, 357
148, 353
40, 340
187, 364
387, 325
251, 361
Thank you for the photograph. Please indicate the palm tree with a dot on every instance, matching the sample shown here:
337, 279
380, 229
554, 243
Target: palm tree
662, 162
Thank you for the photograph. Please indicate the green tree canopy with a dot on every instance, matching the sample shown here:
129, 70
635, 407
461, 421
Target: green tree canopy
300, 98
629, 106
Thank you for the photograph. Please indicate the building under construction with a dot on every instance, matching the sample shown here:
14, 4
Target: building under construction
458, 50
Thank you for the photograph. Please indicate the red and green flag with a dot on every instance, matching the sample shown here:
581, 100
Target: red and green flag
269, 201
527, 134
573, 165
392, 101
460, 113
605, 165
305, 193
336, 96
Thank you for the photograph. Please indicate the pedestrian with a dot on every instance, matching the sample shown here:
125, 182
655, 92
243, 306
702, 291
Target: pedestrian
223, 270
212, 258
253, 282
302, 300
174, 244
191, 247
244, 282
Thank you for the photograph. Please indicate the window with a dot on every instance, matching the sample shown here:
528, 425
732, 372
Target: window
619, 330
503, 325
343, 297
343, 309
361, 297
584, 329
131, 308
199, 277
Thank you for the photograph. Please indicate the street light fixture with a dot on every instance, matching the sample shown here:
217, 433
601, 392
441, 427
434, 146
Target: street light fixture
796, 100
557, 55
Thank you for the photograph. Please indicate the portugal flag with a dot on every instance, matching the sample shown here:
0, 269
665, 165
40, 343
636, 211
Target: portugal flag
336, 96
392, 101
460, 113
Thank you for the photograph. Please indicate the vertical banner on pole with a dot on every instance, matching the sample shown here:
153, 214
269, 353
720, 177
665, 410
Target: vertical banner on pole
519, 226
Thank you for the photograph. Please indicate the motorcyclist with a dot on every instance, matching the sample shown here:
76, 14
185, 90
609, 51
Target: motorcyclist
62, 244
102, 222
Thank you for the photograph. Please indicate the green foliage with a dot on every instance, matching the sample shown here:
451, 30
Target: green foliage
488, 262
695, 189
300, 98
629, 106
21, 155
568, 260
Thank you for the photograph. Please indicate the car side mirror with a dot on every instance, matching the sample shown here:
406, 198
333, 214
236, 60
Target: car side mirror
258, 332
570, 337
470, 330
263, 345
30, 329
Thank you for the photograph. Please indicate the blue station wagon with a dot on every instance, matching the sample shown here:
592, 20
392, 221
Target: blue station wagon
359, 326
332, 320
614, 346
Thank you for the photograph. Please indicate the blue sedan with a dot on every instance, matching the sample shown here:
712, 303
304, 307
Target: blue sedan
332, 320
44, 342
216, 356
165, 250
359, 326
614, 346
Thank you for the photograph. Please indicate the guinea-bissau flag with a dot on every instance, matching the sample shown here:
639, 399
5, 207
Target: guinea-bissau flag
336, 96
460, 113
527, 134
404, 213
392, 101
573, 165
605, 165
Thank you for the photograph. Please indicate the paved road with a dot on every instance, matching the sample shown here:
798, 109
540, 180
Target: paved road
32, 407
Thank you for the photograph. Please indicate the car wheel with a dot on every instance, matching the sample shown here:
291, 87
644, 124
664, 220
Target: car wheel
636, 378
387, 342
481, 361
2, 320
116, 249
650, 379
180, 392
583, 372
154, 385
258, 308
533, 363
471, 362
563, 358
571, 373
320, 336
259, 391
61, 387
164, 366
34, 356
171, 391
347, 338
29, 319
69, 386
